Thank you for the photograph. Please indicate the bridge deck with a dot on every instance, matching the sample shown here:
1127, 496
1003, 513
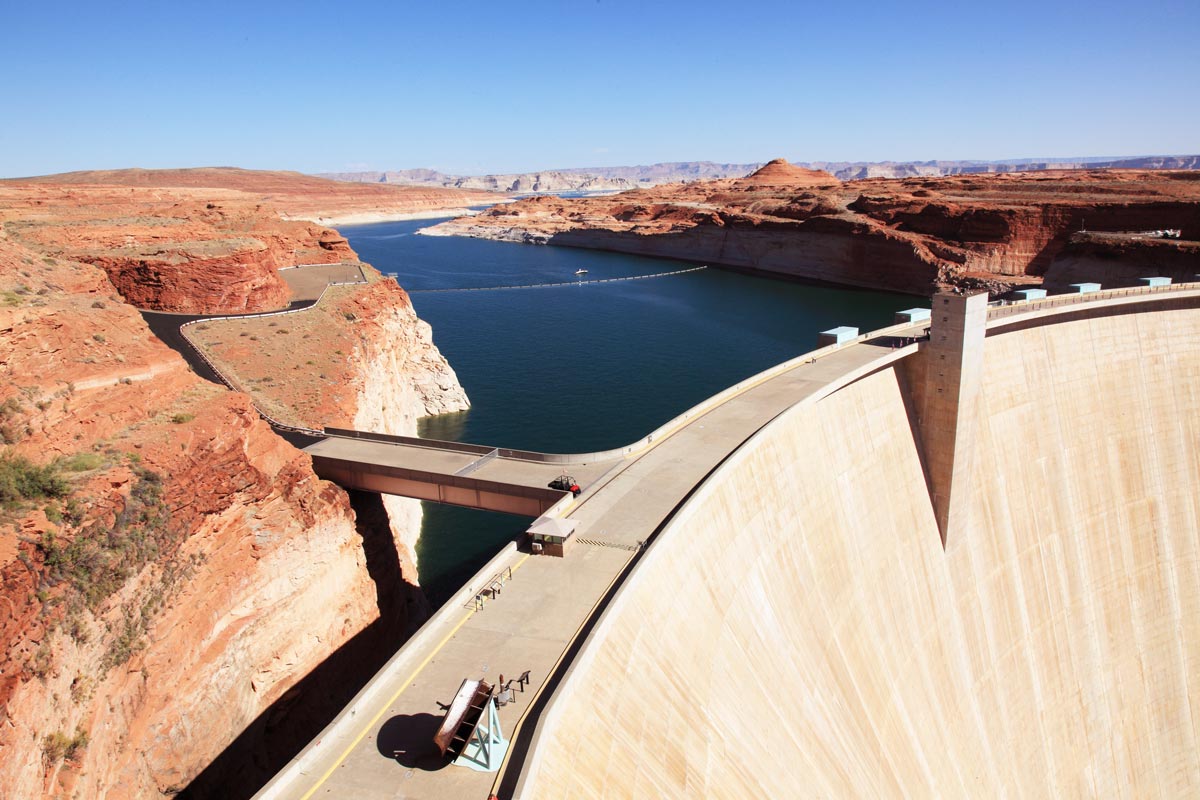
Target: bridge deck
425, 458
540, 611
442, 474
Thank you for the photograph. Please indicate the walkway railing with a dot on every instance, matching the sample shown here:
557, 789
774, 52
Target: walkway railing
1008, 308
491, 588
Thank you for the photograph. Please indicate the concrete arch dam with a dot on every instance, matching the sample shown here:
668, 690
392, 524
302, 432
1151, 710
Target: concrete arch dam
811, 636
963, 567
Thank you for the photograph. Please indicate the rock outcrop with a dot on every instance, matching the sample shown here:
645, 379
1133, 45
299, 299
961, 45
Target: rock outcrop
170, 568
171, 250
914, 235
337, 365
393, 341
204, 241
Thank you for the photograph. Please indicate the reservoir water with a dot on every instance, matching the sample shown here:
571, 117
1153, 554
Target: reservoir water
578, 368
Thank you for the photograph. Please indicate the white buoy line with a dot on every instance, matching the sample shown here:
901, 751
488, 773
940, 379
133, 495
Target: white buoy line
560, 283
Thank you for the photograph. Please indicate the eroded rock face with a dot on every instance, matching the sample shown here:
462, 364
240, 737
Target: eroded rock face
360, 359
170, 252
206, 241
195, 569
393, 342
914, 235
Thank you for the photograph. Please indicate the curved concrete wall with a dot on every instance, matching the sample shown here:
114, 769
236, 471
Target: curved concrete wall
798, 630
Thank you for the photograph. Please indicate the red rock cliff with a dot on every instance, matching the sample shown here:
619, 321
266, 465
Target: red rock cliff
185, 568
360, 359
912, 235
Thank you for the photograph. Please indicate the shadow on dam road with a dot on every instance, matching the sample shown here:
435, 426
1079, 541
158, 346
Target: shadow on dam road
283, 729
408, 738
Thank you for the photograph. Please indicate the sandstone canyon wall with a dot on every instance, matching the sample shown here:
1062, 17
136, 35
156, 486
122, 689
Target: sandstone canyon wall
799, 629
914, 235
182, 569
360, 359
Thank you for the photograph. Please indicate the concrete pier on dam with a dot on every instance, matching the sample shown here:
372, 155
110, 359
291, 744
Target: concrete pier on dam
961, 566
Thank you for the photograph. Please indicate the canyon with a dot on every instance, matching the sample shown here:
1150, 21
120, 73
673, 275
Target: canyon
175, 576
180, 588
916, 235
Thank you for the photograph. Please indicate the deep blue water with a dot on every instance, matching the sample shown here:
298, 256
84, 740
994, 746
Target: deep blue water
585, 367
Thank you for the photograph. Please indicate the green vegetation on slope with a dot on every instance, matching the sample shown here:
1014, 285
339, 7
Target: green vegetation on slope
21, 480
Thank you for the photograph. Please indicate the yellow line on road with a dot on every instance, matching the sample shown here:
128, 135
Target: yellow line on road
558, 662
384, 708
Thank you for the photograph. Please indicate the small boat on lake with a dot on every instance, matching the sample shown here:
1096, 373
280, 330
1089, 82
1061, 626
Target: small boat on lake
581, 272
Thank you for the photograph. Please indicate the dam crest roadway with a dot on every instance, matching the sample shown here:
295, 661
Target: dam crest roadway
545, 608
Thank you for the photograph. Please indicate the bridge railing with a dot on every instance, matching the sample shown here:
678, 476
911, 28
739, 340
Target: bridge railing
414, 441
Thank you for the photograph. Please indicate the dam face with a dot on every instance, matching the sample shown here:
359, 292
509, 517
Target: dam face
800, 629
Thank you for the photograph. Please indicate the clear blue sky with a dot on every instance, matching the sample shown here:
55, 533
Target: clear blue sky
506, 85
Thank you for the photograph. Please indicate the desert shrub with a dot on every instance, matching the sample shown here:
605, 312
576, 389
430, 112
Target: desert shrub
180, 419
99, 337
73, 511
98, 560
58, 746
82, 462
127, 641
21, 479
98, 304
